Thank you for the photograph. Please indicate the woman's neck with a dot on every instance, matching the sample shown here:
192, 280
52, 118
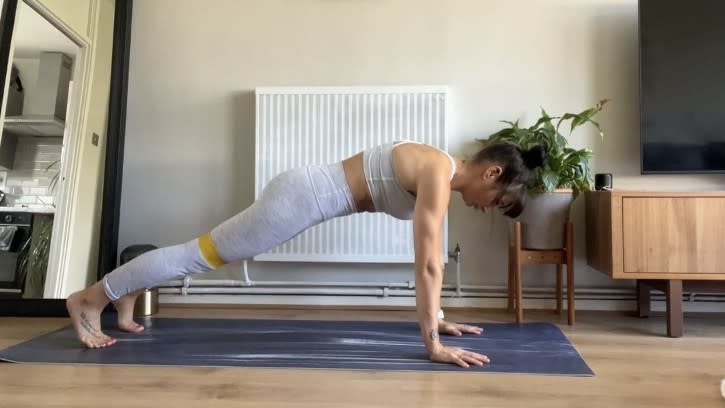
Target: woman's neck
459, 177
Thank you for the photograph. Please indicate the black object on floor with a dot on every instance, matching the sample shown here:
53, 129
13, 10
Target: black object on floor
529, 348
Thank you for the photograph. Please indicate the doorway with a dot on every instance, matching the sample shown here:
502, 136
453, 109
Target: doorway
39, 123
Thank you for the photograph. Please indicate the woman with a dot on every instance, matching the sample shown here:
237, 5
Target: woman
407, 180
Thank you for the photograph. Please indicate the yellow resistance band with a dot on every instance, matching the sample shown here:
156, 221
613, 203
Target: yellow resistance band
209, 251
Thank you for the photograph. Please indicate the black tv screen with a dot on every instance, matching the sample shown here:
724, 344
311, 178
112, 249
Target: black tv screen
682, 86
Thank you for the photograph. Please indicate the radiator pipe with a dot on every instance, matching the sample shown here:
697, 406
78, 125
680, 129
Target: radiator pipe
274, 291
376, 292
379, 292
462, 290
456, 255
241, 283
247, 281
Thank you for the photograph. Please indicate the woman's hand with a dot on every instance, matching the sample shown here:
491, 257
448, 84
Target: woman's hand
457, 329
457, 355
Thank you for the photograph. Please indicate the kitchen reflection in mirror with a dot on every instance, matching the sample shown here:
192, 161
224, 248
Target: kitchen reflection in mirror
31, 149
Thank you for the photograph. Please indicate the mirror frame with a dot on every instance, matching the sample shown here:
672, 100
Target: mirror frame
108, 245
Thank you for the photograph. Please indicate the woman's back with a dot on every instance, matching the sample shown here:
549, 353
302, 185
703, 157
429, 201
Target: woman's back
384, 178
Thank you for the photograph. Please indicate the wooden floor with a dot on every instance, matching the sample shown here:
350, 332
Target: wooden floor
634, 365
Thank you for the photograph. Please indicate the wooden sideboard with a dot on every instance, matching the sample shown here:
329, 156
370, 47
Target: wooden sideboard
670, 241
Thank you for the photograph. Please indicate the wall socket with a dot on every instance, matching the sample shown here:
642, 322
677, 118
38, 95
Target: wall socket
94, 139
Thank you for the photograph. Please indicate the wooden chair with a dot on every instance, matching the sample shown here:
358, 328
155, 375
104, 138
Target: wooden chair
518, 257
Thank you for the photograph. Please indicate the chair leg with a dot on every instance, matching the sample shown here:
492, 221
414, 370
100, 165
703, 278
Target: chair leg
517, 271
558, 289
511, 282
570, 271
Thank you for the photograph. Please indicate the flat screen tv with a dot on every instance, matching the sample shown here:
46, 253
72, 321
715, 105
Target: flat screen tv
682, 86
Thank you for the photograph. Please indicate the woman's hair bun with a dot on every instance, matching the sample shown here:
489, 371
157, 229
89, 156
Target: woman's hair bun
534, 157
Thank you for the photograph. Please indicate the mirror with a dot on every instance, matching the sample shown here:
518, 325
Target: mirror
55, 110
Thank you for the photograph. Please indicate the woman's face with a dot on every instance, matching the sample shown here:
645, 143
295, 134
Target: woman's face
483, 191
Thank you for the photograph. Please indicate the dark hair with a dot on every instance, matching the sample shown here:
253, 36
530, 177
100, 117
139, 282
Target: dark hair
518, 168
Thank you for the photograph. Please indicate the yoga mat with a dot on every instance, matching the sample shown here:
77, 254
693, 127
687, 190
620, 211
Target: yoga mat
529, 348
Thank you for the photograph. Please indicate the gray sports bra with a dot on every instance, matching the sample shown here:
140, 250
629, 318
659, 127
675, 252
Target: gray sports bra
385, 190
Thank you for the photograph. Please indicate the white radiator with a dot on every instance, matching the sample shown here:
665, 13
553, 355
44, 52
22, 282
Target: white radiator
319, 125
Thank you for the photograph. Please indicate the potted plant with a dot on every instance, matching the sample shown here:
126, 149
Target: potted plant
556, 184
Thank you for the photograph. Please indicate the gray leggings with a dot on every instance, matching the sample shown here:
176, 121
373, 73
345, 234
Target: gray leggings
290, 203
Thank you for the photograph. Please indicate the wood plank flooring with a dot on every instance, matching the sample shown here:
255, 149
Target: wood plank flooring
635, 366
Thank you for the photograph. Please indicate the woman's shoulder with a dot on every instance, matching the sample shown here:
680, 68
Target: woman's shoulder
443, 160
419, 160
425, 145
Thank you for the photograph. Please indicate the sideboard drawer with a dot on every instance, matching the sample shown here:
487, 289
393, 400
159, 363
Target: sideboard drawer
677, 235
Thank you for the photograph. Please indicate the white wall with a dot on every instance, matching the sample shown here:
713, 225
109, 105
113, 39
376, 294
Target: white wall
189, 155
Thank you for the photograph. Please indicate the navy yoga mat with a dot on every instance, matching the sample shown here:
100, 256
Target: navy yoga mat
529, 348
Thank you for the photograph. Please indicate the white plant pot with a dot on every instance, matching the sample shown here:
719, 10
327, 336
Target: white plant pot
543, 221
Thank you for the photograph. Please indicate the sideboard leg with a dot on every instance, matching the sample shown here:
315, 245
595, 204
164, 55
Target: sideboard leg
643, 299
674, 308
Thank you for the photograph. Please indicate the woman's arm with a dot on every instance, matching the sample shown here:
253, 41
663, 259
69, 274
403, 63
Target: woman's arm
433, 193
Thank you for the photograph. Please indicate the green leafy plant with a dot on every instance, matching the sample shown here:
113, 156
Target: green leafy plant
33, 256
55, 178
565, 167
34, 251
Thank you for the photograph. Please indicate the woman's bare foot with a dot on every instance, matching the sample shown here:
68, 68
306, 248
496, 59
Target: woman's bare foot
85, 309
124, 308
